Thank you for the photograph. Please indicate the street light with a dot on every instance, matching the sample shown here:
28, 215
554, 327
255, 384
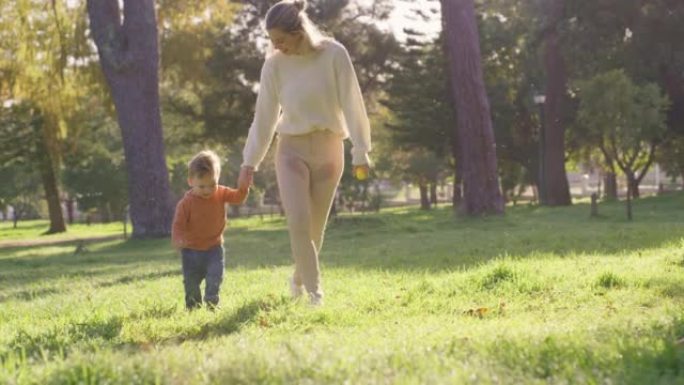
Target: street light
539, 100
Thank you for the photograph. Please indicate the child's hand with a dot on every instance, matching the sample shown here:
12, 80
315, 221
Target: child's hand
246, 177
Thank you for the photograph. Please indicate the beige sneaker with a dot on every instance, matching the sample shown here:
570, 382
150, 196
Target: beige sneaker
296, 291
316, 300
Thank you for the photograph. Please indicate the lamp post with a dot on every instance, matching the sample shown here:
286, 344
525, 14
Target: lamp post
539, 100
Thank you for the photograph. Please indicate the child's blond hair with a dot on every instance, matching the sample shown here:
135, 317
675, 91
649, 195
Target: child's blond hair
205, 162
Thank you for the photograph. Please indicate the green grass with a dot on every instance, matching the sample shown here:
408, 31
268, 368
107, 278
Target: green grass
35, 229
539, 296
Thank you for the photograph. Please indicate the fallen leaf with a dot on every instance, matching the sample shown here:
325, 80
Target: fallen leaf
478, 312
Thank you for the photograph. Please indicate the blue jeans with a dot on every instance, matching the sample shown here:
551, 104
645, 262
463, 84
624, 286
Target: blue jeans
201, 265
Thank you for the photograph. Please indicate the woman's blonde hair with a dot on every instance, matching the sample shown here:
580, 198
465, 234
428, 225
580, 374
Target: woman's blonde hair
290, 16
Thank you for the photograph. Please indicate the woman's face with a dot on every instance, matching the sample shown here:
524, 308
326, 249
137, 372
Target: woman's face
285, 42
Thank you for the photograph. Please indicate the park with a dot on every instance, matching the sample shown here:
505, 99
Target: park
518, 219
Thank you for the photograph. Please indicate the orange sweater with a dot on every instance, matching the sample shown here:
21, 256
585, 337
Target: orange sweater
199, 222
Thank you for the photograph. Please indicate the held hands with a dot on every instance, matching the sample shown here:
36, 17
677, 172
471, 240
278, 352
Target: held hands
246, 177
361, 172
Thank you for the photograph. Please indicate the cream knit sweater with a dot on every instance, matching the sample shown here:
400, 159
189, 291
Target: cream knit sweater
316, 91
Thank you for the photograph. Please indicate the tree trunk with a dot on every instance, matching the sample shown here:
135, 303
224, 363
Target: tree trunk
594, 205
556, 189
70, 209
129, 56
672, 81
457, 193
629, 201
433, 193
481, 192
610, 181
633, 184
49, 178
424, 198
640, 172
457, 196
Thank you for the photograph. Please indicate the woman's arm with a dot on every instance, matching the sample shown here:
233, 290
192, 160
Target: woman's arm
265, 117
353, 107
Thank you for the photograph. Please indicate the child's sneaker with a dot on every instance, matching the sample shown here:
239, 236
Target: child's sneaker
296, 291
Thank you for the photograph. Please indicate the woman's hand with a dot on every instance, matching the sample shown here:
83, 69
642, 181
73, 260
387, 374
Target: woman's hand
246, 177
361, 171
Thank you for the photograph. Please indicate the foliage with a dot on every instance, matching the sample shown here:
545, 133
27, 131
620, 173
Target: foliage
420, 128
640, 37
626, 121
98, 181
21, 149
509, 34
420, 102
19, 191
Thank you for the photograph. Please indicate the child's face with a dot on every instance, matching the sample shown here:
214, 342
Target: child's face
203, 186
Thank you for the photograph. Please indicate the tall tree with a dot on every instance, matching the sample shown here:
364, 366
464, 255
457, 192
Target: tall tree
37, 69
556, 191
129, 56
481, 193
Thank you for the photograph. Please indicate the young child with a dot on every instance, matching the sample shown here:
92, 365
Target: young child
198, 229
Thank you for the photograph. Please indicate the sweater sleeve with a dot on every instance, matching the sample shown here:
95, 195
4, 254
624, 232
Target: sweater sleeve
353, 107
179, 227
265, 117
233, 196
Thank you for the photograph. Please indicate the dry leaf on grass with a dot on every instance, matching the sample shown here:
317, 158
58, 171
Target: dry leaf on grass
478, 312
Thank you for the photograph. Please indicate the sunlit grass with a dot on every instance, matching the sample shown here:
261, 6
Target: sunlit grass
35, 230
539, 296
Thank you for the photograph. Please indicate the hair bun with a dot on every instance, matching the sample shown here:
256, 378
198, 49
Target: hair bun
299, 4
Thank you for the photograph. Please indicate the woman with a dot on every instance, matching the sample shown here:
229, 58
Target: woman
310, 79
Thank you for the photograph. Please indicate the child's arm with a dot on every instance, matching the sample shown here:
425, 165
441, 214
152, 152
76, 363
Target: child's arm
234, 196
178, 229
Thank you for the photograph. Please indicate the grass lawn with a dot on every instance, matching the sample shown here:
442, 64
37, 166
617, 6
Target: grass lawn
34, 230
539, 296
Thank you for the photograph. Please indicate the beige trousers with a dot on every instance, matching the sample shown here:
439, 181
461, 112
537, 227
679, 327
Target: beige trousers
308, 168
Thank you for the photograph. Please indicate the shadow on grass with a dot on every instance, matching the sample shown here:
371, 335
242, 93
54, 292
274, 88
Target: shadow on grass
29, 294
232, 322
141, 277
33, 294
60, 340
108, 258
